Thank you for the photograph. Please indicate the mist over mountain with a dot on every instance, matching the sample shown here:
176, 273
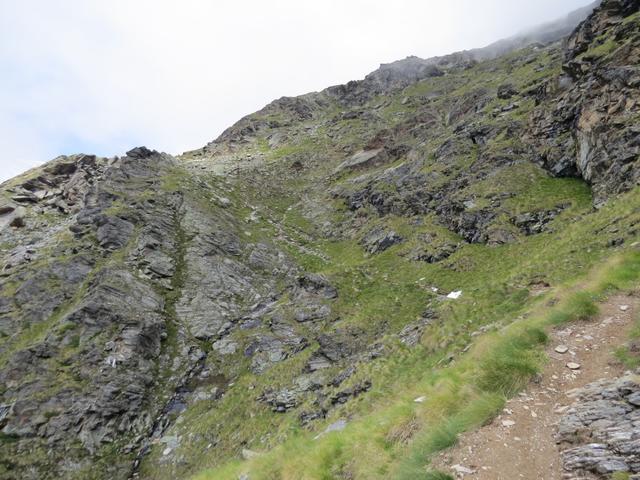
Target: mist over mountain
545, 33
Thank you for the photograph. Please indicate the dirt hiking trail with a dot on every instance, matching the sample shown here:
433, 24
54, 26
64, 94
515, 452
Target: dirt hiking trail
520, 442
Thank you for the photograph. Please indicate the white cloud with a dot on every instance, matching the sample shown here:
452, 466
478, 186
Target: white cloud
103, 76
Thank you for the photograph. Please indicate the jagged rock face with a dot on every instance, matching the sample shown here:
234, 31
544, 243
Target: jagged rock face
143, 295
104, 318
388, 77
599, 434
588, 129
92, 327
284, 112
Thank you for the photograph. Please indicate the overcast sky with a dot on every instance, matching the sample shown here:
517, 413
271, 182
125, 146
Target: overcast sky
102, 76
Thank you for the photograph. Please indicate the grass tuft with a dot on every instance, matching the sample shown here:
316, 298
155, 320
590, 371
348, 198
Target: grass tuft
624, 276
628, 354
578, 306
510, 366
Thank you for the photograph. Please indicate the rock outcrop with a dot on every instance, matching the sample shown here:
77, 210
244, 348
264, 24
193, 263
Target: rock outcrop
599, 435
578, 130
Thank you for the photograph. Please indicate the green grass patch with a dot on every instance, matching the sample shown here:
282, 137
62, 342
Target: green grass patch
383, 293
512, 362
621, 476
579, 306
462, 397
629, 354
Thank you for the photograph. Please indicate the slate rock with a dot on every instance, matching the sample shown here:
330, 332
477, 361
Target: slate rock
113, 232
599, 433
378, 240
318, 285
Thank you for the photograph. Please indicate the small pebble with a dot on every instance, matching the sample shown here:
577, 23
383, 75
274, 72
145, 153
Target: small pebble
508, 423
562, 349
573, 366
624, 308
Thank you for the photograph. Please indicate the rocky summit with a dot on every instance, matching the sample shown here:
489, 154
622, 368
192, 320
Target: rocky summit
321, 292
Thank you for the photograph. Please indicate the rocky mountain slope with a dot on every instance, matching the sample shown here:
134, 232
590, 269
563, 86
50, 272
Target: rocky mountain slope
296, 281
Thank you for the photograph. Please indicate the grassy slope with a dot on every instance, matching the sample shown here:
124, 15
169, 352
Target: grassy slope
394, 438
389, 435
